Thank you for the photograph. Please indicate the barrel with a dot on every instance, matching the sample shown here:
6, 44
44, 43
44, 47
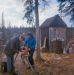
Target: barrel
57, 46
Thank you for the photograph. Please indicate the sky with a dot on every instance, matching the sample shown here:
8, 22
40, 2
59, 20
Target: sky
13, 13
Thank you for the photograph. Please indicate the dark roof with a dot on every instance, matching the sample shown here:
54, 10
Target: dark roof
55, 21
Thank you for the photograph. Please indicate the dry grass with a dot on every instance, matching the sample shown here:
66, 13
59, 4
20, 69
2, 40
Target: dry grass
53, 64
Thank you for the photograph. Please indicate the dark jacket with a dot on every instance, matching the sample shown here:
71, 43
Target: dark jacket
12, 46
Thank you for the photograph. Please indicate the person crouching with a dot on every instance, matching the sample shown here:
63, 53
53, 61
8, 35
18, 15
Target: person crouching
12, 47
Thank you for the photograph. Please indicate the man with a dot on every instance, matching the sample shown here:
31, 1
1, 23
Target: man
12, 47
30, 42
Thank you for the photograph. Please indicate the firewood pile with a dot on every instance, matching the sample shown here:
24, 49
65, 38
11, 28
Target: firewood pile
71, 46
57, 46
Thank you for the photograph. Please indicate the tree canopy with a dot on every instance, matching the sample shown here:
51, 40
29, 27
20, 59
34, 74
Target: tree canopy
29, 8
67, 7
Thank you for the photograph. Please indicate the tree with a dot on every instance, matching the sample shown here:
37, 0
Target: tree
37, 29
3, 28
9, 31
67, 7
31, 13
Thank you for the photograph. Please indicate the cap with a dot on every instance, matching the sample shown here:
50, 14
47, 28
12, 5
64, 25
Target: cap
30, 34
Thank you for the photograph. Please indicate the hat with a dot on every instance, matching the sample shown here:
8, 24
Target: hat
30, 34
22, 36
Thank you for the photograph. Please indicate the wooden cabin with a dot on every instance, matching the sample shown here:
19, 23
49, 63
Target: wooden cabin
52, 28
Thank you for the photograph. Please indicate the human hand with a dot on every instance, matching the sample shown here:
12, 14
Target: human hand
23, 52
29, 49
22, 47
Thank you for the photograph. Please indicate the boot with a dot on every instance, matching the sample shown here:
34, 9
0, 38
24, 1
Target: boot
15, 73
33, 66
28, 67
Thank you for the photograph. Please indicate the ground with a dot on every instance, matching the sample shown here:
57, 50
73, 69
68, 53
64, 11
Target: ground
51, 64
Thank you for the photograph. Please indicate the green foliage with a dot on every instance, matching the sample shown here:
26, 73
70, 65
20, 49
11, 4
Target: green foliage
29, 9
61, 0
67, 7
3, 28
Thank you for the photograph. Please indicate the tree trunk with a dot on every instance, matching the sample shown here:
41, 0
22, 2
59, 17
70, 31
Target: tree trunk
37, 30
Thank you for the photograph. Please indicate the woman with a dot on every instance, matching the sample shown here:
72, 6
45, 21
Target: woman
30, 43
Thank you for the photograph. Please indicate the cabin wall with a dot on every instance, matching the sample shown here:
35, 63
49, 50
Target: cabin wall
70, 33
44, 32
56, 32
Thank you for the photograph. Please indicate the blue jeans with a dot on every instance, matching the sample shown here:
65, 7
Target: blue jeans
31, 56
10, 64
